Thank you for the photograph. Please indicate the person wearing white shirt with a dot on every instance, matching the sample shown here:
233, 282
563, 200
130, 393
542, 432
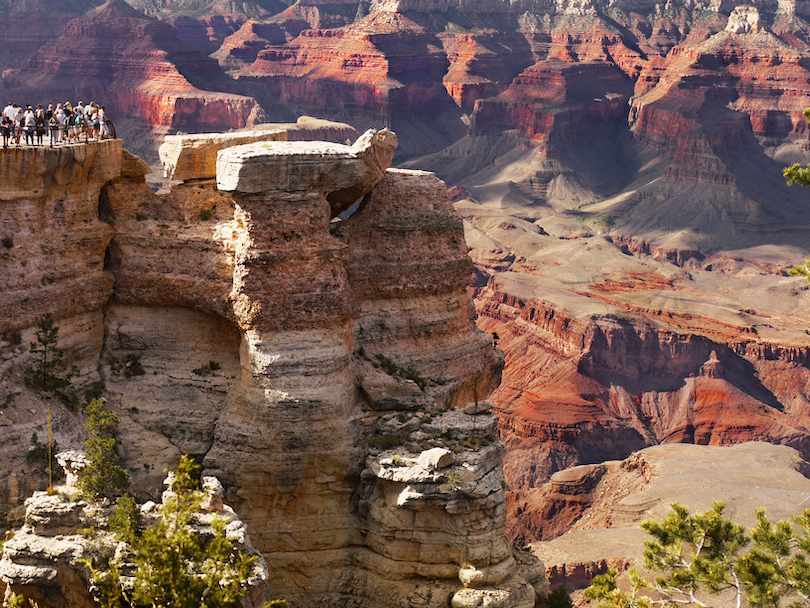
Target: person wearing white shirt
19, 119
29, 126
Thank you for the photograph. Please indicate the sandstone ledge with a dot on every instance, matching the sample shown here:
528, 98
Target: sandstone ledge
34, 172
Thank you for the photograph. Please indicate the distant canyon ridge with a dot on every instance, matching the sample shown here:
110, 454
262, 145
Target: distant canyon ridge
617, 165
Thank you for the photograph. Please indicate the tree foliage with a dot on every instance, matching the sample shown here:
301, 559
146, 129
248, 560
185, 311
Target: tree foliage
177, 562
103, 477
695, 556
802, 270
125, 521
795, 174
50, 371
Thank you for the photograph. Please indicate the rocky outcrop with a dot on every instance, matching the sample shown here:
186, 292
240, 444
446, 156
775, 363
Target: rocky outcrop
186, 157
620, 385
43, 561
607, 532
284, 348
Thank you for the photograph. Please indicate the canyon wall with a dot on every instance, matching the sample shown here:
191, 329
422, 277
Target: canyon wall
321, 369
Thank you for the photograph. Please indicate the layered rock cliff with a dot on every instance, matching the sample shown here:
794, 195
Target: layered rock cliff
298, 357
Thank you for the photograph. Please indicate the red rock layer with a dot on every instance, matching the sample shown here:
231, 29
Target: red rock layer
482, 64
580, 390
695, 101
552, 96
381, 66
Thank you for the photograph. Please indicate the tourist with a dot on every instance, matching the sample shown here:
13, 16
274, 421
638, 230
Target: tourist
40, 117
61, 119
19, 119
94, 122
10, 110
53, 128
5, 128
102, 121
29, 125
81, 125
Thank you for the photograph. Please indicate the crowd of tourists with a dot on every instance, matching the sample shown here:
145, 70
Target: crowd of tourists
64, 124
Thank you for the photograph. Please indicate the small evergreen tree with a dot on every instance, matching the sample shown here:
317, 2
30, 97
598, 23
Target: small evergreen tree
803, 270
176, 565
125, 521
559, 598
103, 477
49, 372
696, 555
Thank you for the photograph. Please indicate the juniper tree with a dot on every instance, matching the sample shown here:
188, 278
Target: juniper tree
695, 556
50, 371
177, 565
103, 477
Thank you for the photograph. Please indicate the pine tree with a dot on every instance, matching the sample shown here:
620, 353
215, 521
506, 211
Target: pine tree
177, 565
802, 270
103, 477
180, 568
49, 373
694, 556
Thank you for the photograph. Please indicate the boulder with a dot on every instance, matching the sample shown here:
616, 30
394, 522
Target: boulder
376, 148
187, 157
436, 458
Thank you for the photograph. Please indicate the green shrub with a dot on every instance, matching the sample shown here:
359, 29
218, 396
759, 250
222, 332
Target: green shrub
8, 242
129, 365
390, 367
389, 440
125, 521
559, 598
206, 214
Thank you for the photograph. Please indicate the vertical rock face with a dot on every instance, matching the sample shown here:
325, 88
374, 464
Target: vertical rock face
396, 284
53, 256
297, 356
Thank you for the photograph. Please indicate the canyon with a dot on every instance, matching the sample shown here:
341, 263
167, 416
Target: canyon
617, 166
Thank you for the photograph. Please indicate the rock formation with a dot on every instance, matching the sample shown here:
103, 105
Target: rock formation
294, 355
43, 561
605, 504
